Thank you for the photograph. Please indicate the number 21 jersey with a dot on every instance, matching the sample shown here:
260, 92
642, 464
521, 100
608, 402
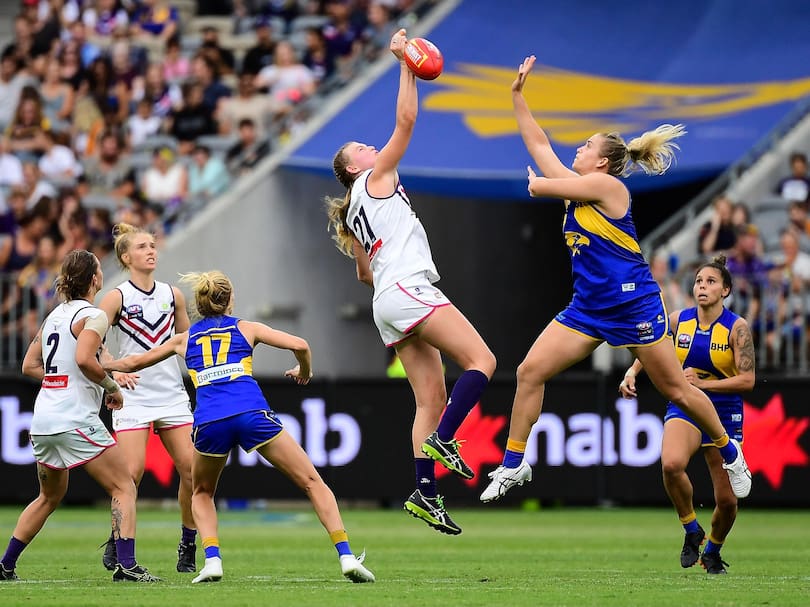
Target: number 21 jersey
391, 234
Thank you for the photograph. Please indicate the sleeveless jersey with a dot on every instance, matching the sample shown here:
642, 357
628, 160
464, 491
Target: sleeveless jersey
391, 234
608, 267
67, 399
220, 363
707, 350
146, 320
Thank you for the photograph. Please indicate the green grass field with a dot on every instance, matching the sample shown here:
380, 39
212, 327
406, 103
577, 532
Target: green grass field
576, 557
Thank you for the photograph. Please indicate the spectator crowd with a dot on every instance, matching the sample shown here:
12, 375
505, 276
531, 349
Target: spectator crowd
767, 247
145, 110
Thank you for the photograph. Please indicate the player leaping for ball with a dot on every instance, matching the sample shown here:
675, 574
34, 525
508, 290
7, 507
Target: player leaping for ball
615, 297
376, 225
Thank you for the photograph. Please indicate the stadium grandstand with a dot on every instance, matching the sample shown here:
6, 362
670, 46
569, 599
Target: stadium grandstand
173, 115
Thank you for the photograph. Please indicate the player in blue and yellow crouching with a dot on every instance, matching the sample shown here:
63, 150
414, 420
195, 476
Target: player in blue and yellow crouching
716, 350
232, 411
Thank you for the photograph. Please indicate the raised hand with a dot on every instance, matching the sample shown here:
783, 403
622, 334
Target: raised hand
398, 42
523, 72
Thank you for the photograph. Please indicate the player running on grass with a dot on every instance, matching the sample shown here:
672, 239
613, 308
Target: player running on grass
716, 350
66, 430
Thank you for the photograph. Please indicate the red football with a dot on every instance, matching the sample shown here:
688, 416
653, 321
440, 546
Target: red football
423, 58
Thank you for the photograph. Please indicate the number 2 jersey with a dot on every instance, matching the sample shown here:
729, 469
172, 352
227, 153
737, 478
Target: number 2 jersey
391, 233
145, 320
220, 363
67, 399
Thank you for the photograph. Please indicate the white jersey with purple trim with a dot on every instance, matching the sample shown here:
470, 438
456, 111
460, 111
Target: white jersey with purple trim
391, 234
146, 320
67, 399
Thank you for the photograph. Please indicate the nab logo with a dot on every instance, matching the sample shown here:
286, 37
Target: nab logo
575, 241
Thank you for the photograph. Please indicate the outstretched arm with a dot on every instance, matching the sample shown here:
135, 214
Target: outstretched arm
256, 332
136, 362
534, 137
593, 187
383, 179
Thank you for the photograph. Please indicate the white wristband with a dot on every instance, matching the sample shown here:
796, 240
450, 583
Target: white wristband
109, 384
630, 373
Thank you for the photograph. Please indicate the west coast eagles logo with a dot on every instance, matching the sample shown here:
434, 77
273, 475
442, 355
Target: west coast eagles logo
575, 240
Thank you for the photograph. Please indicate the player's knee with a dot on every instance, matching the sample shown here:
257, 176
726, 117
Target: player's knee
675, 393
124, 492
530, 373
672, 467
49, 502
727, 504
487, 363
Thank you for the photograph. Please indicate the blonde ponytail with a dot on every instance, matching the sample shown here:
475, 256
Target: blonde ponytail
336, 208
653, 151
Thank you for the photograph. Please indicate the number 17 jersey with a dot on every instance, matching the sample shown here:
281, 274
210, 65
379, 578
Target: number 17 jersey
391, 233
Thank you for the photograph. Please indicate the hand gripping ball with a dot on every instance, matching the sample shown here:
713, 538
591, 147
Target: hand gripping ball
423, 58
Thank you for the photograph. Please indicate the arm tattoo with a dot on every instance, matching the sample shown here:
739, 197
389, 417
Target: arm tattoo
745, 348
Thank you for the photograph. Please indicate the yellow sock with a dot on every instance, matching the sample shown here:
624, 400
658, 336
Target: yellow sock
210, 541
339, 536
516, 446
688, 518
211, 547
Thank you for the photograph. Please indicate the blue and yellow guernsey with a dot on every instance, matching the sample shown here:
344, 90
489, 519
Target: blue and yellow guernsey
606, 261
220, 363
707, 350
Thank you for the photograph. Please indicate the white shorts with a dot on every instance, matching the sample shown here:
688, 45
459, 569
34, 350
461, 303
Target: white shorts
136, 417
402, 306
73, 448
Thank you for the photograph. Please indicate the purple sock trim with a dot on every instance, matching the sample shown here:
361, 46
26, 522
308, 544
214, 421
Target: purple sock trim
126, 552
425, 476
189, 535
464, 396
15, 547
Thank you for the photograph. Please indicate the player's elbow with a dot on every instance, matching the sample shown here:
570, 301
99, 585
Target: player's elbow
365, 276
300, 346
87, 363
749, 379
406, 119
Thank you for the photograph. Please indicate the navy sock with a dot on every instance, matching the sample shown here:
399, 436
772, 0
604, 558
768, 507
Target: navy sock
464, 396
15, 547
425, 476
691, 527
729, 452
126, 552
189, 535
711, 547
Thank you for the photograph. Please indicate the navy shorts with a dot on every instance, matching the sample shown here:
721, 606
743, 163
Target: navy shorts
641, 323
731, 416
249, 430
